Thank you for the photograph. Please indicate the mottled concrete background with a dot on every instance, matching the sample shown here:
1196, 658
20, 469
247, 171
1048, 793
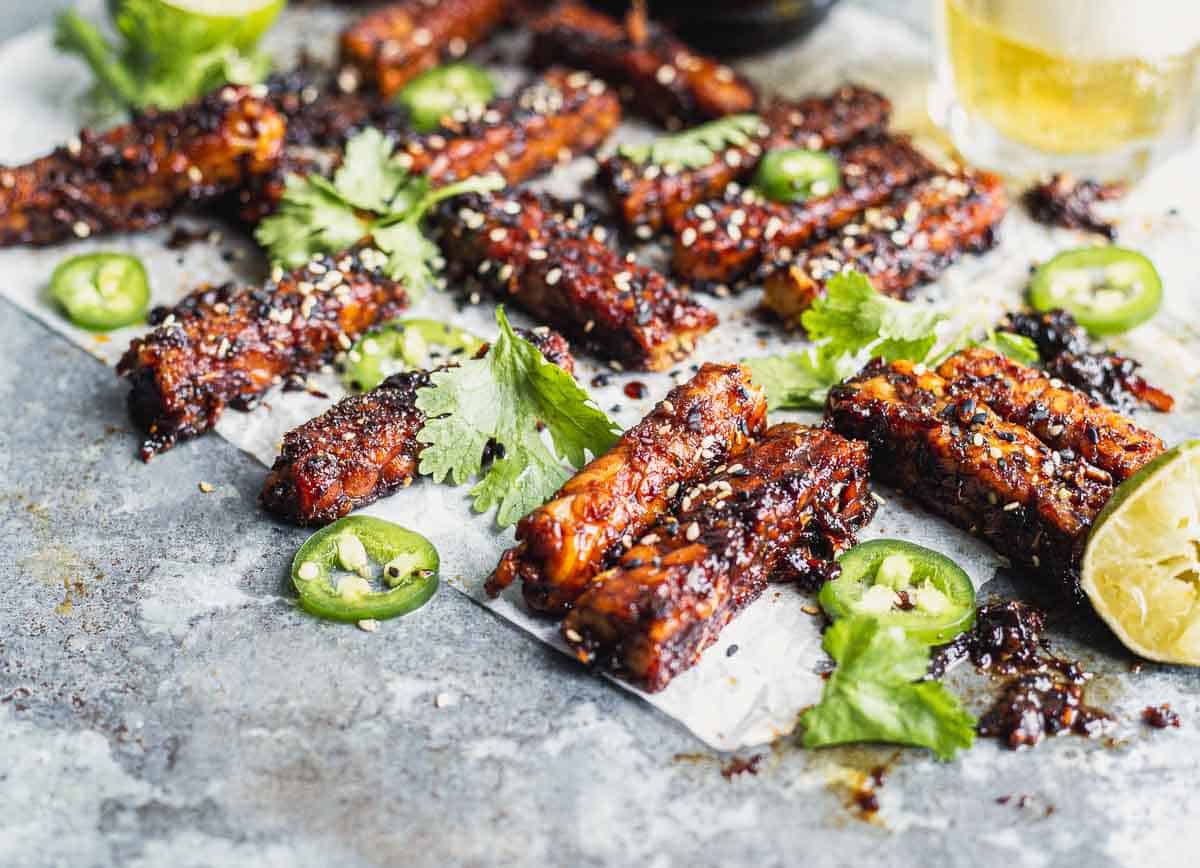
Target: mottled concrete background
162, 703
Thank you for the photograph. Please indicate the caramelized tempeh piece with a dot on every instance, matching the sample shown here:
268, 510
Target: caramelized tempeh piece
564, 544
393, 45
362, 448
727, 241
671, 594
909, 241
549, 259
559, 115
227, 345
136, 175
657, 75
1060, 416
649, 197
955, 456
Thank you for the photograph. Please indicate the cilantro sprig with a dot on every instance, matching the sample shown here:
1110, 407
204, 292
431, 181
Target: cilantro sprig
697, 146
876, 694
371, 196
850, 323
509, 397
162, 58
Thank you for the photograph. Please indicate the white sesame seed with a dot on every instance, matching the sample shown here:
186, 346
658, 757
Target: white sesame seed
693, 531
553, 276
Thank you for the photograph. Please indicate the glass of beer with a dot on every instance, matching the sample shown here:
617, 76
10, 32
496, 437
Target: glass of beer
1099, 88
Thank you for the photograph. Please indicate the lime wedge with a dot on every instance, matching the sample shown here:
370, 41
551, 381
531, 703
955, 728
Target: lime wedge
207, 24
1141, 567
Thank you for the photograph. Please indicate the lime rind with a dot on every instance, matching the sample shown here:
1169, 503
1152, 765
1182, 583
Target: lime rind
1141, 567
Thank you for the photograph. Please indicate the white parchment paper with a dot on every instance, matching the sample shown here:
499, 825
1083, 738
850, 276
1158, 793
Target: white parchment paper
729, 700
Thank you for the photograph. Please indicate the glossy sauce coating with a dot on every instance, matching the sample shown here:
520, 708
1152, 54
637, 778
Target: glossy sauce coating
391, 46
656, 74
550, 259
910, 240
565, 543
137, 174
228, 345
655, 197
670, 594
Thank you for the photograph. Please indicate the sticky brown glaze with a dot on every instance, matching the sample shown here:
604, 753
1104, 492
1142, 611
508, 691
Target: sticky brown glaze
955, 456
550, 259
391, 46
1061, 417
228, 345
649, 197
656, 74
558, 116
729, 241
362, 448
136, 175
562, 545
909, 241
1067, 352
1063, 200
670, 595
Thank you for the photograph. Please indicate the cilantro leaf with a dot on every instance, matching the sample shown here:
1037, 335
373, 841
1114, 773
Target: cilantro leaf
369, 179
696, 147
875, 694
508, 396
849, 324
312, 218
1017, 347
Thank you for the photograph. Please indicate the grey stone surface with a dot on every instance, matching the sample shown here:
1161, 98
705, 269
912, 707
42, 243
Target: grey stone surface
163, 703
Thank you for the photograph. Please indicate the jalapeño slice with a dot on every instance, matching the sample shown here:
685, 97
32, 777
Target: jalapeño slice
402, 344
442, 90
1107, 289
101, 291
902, 585
797, 174
333, 569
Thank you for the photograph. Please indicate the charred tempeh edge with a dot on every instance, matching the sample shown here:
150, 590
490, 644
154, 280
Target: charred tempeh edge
364, 447
562, 545
656, 74
136, 175
648, 197
908, 241
670, 595
392, 45
725, 242
1060, 416
559, 115
959, 459
228, 345
549, 259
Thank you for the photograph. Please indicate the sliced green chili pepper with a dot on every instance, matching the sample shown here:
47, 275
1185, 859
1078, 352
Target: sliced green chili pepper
101, 291
1107, 289
401, 344
902, 585
442, 90
796, 174
333, 568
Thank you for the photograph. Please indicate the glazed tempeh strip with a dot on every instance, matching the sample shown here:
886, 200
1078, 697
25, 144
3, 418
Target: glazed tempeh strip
394, 44
955, 456
136, 175
909, 241
617, 497
228, 345
549, 259
656, 74
1060, 416
649, 197
728, 241
362, 448
558, 116
671, 594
